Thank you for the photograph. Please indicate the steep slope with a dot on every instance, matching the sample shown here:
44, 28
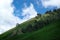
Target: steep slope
42, 27
49, 32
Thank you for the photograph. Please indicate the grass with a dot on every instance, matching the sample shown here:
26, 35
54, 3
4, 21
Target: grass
49, 32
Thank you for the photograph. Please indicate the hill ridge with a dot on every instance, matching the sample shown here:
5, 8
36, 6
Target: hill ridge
32, 25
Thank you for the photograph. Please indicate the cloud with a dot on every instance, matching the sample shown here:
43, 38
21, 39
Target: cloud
7, 18
29, 12
53, 3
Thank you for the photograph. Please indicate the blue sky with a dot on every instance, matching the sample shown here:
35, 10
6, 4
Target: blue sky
19, 11
19, 4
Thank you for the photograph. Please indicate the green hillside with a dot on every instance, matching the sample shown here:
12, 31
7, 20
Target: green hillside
42, 27
49, 32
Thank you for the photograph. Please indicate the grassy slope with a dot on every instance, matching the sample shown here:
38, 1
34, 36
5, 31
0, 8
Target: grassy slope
9, 32
22, 25
49, 32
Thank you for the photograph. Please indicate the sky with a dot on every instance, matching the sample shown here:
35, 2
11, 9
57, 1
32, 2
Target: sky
19, 11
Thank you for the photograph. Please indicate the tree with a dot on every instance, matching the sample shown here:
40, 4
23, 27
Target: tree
29, 28
54, 10
39, 14
17, 24
48, 12
23, 30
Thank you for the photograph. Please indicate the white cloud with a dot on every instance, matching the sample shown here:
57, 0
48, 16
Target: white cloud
53, 3
8, 20
29, 12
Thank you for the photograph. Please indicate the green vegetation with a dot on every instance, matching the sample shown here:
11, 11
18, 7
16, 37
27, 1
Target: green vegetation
42, 27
